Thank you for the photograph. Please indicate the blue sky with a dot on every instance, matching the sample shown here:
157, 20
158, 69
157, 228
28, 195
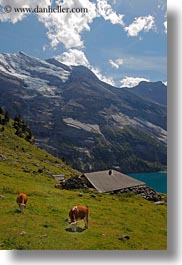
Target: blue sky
121, 41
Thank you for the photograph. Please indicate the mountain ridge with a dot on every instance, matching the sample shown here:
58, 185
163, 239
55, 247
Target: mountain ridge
74, 115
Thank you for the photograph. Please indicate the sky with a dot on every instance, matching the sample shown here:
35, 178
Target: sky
122, 41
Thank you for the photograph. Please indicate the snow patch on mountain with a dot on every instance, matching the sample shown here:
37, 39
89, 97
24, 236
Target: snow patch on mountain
35, 73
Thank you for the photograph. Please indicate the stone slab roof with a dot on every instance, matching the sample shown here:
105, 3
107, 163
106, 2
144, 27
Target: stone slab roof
111, 180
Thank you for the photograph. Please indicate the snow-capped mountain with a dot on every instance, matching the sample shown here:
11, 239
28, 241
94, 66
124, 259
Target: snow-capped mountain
91, 124
36, 74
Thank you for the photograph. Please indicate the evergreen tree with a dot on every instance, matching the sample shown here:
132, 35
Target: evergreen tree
22, 129
1, 111
6, 117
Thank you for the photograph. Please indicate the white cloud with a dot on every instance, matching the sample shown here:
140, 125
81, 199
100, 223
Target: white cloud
165, 26
61, 27
66, 28
132, 81
75, 57
141, 23
116, 63
105, 10
18, 16
108, 80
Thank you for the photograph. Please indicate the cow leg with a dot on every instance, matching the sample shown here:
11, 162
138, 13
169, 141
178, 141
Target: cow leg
86, 221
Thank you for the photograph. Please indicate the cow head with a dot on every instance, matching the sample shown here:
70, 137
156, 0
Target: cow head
73, 226
22, 207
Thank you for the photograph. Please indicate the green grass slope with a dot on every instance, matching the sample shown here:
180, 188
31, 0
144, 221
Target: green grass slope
26, 168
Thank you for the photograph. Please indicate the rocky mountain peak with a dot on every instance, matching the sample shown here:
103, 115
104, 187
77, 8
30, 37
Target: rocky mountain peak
74, 115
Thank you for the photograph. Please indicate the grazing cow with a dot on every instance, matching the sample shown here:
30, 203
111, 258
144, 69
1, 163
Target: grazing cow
58, 186
22, 201
76, 213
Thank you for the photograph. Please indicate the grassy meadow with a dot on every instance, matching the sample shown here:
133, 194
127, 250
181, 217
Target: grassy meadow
44, 224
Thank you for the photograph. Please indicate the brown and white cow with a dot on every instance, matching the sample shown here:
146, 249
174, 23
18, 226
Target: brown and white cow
78, 213
22, 201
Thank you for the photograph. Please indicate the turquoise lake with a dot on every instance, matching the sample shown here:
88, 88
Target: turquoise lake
155, 180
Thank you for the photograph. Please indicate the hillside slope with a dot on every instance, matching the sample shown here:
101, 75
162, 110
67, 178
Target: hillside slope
26, 168
20, 158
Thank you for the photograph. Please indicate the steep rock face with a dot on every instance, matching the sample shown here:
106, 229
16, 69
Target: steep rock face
74, 115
